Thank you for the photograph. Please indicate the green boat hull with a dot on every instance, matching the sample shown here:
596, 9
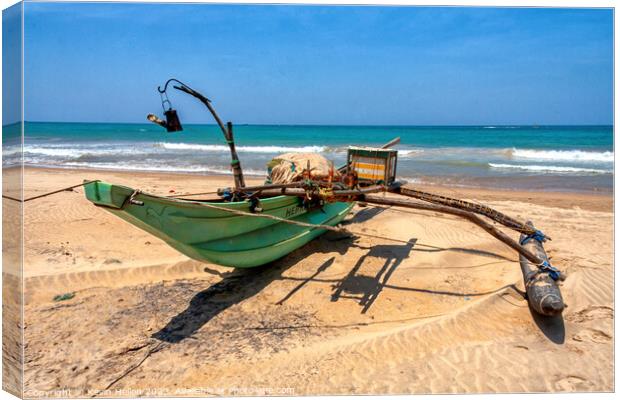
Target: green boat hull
217, 236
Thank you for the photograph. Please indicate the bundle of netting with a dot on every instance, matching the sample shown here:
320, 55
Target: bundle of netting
290, 167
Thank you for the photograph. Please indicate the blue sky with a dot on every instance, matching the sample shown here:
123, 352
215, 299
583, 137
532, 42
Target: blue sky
319, 64
11, 65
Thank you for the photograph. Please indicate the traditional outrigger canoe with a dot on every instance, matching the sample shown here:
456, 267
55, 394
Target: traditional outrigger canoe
215, 235
251, 226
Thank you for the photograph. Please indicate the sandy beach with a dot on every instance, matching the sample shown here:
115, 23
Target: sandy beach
341, 315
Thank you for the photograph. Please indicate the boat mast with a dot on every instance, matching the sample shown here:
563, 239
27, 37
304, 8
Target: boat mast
226, 130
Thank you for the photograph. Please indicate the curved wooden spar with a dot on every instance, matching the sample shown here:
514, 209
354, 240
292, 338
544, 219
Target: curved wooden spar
529, 255
469, 206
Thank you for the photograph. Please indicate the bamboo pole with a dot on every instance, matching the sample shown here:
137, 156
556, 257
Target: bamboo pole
335, 195
391, 143
248, 189
235, 164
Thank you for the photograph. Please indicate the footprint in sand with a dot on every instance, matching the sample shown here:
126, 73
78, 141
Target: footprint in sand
572, 383
592, 335
591, 313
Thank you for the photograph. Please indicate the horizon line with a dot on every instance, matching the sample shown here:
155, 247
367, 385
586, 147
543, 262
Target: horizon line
323, 124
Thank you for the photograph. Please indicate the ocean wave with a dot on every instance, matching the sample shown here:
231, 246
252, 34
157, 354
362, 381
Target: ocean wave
246, 149
564, 155
154, 168
11, 151
409, 152
456, 163
79, 151
550, 168
83, 150
53, 152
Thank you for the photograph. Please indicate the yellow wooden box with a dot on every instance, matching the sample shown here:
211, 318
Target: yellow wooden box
373, 164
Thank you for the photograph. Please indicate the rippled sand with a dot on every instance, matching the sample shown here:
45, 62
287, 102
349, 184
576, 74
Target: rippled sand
441, 314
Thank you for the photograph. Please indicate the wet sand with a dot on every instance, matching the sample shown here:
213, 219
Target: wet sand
341, 315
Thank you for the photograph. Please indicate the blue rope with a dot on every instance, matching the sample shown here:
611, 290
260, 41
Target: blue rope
537, 235
553, 272
227, 195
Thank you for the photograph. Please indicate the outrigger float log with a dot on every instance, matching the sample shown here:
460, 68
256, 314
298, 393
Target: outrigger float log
248, 226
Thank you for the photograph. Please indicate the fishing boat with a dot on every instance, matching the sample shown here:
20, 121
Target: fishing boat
217, 235
249, 226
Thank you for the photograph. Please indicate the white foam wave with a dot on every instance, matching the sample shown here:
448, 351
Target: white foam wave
59, 152
11, 151
564, 155
409, 152
246, 149
156, 168
75, 152
550, 168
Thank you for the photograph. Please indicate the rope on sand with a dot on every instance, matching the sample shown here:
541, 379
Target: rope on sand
50, 193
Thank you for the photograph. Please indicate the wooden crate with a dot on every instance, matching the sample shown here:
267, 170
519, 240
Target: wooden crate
373, 165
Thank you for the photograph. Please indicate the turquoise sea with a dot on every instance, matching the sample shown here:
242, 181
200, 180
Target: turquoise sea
572, 158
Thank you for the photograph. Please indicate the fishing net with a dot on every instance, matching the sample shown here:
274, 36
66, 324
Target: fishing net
289, 167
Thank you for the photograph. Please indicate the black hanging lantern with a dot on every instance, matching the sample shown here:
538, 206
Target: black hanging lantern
172, 122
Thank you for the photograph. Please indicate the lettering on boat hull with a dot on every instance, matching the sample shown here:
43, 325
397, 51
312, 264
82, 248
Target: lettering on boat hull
294, 211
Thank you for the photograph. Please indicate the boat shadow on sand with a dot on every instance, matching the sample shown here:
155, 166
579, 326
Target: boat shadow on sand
242, 284
235, 287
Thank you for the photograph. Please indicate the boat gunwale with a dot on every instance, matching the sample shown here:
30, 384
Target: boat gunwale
219, 201
178, 201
